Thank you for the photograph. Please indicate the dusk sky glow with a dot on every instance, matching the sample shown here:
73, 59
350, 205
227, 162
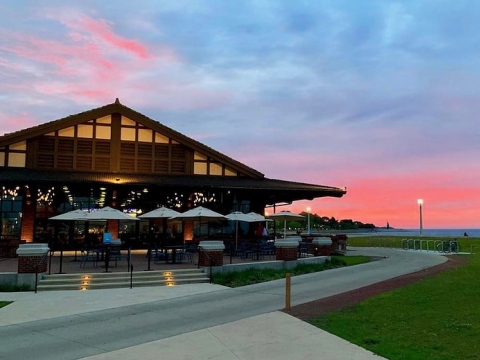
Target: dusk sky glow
377, 96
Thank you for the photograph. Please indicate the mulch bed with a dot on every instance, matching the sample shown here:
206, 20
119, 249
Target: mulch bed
336, 302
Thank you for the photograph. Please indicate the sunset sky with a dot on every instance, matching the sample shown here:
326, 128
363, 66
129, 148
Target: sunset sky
379, 96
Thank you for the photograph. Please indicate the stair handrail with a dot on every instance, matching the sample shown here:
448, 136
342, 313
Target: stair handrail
210, 261
43, 258
131, 275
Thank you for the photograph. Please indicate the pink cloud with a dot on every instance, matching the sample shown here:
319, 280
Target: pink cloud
13, 123
94, 65
100, 28
380, 200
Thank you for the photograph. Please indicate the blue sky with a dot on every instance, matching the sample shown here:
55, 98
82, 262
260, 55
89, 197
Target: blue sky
378, 96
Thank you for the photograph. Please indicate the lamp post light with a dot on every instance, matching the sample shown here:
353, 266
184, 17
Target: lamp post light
308, 221
420, 206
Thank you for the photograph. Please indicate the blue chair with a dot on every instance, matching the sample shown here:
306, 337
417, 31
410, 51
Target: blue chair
88, 255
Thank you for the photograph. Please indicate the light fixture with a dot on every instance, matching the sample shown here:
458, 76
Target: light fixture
420, 207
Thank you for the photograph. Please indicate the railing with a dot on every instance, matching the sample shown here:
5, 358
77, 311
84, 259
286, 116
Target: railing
40, 262
210, 261
131, 275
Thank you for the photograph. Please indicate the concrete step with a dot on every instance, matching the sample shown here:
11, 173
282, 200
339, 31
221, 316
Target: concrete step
120, 280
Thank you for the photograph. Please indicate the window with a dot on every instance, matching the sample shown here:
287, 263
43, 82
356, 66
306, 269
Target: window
200, 168
145, 135
128, 134
16, 160
85, 131
215, 169
103, 132
67, 132
160, 139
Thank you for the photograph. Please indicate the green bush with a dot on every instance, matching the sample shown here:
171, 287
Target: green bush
14, 288
254, 276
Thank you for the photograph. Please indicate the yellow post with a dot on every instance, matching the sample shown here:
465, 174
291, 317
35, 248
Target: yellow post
288, 283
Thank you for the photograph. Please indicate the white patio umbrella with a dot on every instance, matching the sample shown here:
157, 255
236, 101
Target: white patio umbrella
239, 216
108, 213
285, 216
160, 213
258, 217
200, 214
71, 215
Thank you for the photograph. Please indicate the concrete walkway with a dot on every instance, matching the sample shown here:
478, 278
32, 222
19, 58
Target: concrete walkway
273, 335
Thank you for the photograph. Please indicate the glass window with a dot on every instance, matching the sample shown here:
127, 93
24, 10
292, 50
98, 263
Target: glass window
50, 134
230, 172
16, 160
198, 156
161, 139
128, 134
145, 135
105, 120
200, 168
68, 132
128, 122
2, 158
103, 132
85, 131
215, 169
22, 145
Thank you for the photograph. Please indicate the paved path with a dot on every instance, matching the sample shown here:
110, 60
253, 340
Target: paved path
191, 321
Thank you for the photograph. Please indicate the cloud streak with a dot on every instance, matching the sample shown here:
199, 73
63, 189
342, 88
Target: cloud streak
381, 97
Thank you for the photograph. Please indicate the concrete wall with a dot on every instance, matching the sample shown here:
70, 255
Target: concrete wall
15, 279
277, 265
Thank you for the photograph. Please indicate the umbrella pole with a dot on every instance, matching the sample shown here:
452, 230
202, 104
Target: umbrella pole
284, 229
236, 235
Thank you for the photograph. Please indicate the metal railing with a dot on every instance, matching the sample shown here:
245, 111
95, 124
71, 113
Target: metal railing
40, 262
210, 261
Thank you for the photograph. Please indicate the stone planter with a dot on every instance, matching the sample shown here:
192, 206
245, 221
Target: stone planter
322, 246
287, 249
210, 250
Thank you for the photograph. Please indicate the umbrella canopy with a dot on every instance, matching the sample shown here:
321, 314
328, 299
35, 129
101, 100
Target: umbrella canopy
239, 216
257, 217
160, 213
285, 216
199, 213
71, 215
108, 213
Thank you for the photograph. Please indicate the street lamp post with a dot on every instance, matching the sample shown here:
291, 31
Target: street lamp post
420, 206
308, 220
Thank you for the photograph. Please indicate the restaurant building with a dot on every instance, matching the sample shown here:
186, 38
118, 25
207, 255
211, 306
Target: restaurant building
115, 156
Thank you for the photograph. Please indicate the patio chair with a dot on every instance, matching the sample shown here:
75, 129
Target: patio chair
267, 249
186, 253
244, 252
88, 255
303, 250
116, 255
160, 255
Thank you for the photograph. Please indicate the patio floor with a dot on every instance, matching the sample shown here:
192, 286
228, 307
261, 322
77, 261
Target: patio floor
71, 264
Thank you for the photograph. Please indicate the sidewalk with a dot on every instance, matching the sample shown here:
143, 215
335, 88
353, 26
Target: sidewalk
274, 335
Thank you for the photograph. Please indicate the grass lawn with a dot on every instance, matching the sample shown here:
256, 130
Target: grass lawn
436, 318
253, 276
4, 303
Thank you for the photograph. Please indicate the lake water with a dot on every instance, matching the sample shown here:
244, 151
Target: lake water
426, 232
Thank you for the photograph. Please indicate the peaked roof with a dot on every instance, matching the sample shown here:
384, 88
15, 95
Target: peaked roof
119, 108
